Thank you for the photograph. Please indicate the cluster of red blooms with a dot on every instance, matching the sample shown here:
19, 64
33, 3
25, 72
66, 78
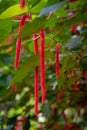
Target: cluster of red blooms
36, 52
19, 124
72, 0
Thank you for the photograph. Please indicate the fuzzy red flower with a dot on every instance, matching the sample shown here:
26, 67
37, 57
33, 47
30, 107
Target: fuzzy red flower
36, 84
72, 0
17, 55
22, 3
42, 65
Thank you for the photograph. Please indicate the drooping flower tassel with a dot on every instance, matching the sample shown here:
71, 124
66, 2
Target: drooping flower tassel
18, 43
57, 68
22, 22
13, 88
64, 117
59, 95
42, 65
75, 86
17, 55
72, 0
22, 3
36, 85
35, 44
20, 122
18, 46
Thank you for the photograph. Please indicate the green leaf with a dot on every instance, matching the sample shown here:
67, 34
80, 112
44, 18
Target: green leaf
50, 2
28, 65
78, 18
68, 63
4, 92
65, 62
5, 59
83, 122
31, 28
34, 2
4, 4
38, 7
24, 69
73, 44
5, 28
83, 62
48, 55
13, 11
46, 109
84, 8
51, 22
3, 81
52, 8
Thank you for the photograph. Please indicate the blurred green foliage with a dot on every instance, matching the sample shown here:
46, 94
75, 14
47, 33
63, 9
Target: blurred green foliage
54, 114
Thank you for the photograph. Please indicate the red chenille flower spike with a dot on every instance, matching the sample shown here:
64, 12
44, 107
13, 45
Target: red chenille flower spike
22, 22
22, 3
35, 44
59, 95
17, 55
19, 40
75, 85
42, 65
72, 0
36, 84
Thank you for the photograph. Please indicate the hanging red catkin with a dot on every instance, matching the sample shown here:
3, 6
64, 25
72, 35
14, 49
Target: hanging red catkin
72, 0
64, 117
19, 124
57, 68
59, 95
42, 65
13, 88
18, 43
35, 44
75, 86
22, 22
22, 3
17, 55
36, 75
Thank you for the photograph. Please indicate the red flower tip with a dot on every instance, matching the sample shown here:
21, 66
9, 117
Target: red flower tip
73, 29
17, 55
72, 0
22, 22
35, 43
59, 96
75, 86
36, 84
13, 88
22, 3
42, 64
